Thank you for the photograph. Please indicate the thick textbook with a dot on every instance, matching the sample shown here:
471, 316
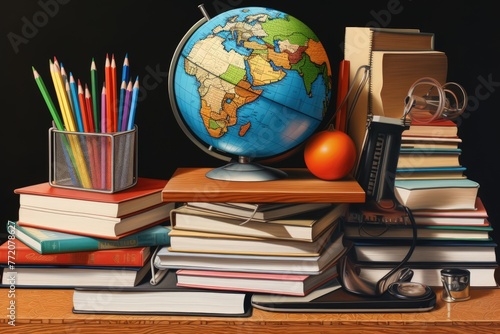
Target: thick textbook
163, 298
53, 242
68, 277
146, 193
430, 142
420, 173
165, 259
306, 226
94, 225
394, 72
262, 211
20, 253
286, 284
202, 242
438, 128
449, 194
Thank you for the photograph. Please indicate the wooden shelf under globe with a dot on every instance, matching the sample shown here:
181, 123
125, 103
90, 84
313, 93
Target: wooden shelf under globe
191, 184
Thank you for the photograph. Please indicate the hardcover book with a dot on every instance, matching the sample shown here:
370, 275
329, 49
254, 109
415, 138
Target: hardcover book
53, 242
306, 226
459, 194
202, 242
146, 193
309, 265
69, 276
166, 297
118, 257
94, 225
286, 284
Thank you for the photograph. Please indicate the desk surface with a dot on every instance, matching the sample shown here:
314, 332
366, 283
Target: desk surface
49, 311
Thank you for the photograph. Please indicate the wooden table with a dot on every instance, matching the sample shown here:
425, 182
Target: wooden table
49, 311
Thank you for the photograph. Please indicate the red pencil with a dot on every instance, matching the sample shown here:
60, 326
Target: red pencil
109, 95
83, 108
88, 107
114, 89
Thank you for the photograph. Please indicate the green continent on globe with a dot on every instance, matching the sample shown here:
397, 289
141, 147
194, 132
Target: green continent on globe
228, 79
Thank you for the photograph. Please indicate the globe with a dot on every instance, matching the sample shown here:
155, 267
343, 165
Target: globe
247, 85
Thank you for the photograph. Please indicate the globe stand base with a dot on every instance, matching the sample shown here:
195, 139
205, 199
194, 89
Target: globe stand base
247, 171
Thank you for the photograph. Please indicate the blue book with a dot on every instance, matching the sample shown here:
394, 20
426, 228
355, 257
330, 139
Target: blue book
51, 242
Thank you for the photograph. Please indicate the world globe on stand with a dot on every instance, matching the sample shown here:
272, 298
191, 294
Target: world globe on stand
249, 84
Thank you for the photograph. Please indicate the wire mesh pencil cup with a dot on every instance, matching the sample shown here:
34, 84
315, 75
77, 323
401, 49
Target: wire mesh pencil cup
100, 162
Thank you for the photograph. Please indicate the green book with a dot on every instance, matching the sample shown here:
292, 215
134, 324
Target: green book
51, 242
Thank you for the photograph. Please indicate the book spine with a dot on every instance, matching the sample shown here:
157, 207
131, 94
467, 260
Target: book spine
92, 244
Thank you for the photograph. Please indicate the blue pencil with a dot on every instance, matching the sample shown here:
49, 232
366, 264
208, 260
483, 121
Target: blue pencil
133, 104
76, 104
125, 78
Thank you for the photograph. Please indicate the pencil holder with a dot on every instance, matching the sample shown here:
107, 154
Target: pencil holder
100, 162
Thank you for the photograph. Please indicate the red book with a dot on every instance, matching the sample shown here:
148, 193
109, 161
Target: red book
436, 128
16, 252
146, 193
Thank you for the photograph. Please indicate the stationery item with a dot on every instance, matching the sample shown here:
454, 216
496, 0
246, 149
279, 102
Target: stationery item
88, 107
343, 88
48, 100
62, 98
125, 79
94, 93
163, 298
133, 104
114, 99
76, 103
126, 106
109, 95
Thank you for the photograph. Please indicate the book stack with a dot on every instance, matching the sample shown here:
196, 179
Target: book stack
68, 238
279, 248
452, 225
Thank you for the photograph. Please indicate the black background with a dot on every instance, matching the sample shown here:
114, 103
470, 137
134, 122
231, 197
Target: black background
75, 31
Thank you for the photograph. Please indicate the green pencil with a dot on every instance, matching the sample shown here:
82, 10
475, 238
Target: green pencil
95, 104
48, 100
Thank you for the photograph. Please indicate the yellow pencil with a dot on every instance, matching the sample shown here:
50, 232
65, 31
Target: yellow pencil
62, 97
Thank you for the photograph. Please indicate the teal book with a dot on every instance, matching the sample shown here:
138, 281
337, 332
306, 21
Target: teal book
51, 242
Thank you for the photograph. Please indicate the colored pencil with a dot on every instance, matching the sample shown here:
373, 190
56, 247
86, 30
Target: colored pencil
114, 98
108, 84
76, 103
89, 108
126, 106
95, 103
48, 100
125, 78
104, 118
63, 97
133, 104
67, 87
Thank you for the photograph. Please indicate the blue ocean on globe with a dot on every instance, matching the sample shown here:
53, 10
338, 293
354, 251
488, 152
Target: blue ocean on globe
252, 82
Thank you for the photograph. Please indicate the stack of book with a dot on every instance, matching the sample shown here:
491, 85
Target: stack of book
68, 238
268, 248
452, 224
